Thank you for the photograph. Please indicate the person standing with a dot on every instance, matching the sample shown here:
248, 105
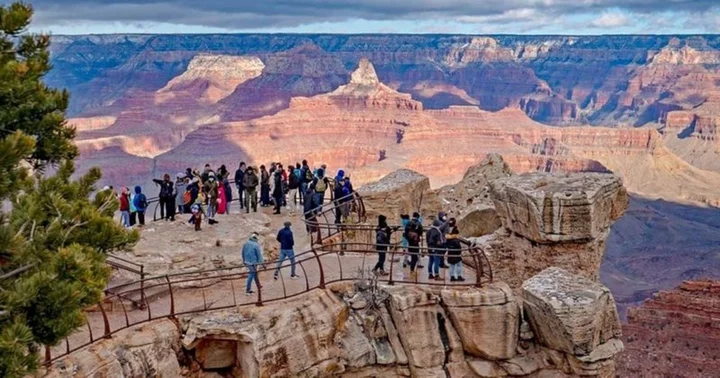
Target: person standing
141, 205
382, 241
239, 176
445, 229
124, 199
413, 233
293, 184
252, 256
319, 185
166, 198
250, 183
454, 251
436, 243
264, 187
278, 190
211, 186
339, 199
287, 243
306, 177
180, 186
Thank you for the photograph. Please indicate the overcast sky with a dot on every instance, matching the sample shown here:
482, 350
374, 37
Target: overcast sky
378, 16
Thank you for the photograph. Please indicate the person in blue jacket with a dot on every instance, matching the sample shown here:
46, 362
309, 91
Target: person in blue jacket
140, 203
287, 243
252, 256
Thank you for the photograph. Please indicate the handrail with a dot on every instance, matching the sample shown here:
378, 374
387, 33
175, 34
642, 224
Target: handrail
171, 295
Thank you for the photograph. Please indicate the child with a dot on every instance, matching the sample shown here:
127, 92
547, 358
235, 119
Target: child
124, 199
196, 217
454, 252
140, 202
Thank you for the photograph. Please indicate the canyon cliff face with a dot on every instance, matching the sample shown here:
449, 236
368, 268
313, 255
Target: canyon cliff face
675, 334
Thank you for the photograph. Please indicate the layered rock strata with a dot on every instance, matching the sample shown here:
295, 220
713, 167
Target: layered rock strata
676, 333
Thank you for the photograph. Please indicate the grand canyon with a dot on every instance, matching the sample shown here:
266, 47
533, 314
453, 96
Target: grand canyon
646, 108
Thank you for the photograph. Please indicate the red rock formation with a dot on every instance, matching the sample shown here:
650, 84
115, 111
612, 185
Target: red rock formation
674, 334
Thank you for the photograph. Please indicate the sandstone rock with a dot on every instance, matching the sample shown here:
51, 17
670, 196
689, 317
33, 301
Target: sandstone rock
486, 369
572, 314
415, 313
548, 208
308, 336
469, 200
400, 192
486, 319
148, 350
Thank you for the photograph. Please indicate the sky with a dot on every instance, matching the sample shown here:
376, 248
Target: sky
577, 17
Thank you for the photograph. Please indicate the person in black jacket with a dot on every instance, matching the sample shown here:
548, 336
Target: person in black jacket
454, 251
436, 244
413, 233
239, 176
166, 198
287, 243
278, 190
382, 241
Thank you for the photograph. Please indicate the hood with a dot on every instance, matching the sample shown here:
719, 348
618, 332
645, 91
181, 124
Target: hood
341, 174
321, 172
138, 190
437, 223
441, 215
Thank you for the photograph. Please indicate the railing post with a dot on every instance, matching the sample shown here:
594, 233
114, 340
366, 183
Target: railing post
320, 267
259, 287
106, 322
478, 268
48, 355
172, 297
392, 259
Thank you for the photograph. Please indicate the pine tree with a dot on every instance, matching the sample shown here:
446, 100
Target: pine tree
58, 228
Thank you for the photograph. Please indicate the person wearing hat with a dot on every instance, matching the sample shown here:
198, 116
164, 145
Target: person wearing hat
252, 256
287, 243
382, 240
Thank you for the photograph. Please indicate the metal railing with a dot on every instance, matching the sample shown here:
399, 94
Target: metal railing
336, 255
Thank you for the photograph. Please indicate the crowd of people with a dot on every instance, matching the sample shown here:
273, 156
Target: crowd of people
205, 194
442, 240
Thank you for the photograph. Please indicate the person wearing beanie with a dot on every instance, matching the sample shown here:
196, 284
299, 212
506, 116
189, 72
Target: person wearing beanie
287, 243
140, 202
382, 240
413, 233
319, 185
454, 250
252, 256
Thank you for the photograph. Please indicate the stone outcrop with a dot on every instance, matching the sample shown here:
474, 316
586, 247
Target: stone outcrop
560, 207
549, 220
401, 192
148, 350
572, 314
676, 333
469, 200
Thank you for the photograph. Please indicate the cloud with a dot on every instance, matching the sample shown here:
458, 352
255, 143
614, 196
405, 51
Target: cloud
611, 20
279, 14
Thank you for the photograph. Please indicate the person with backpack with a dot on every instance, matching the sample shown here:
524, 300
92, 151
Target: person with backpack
298, 175
293, 184
166, 198
252, 256
239, 176
141, 204
445, 229
382, 242
340, 200
413, 233
319, 185
180, 185
454, 251
436, 244
250, 183
212, 193
307, 178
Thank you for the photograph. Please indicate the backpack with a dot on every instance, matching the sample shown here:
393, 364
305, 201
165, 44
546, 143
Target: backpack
413, 232
381, 237
187, 197
321, 185
308, 175
143, 201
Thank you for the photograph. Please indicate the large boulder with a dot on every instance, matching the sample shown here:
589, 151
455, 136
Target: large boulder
572, 314
559, 207
469, 200
144, 351
401, 192
487, 319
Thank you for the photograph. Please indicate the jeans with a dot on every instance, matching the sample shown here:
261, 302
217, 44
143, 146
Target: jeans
414, 256
434, 261
125, 218
252, 274
381, 260
286, 254
211, 211
318, 199
456, 270
303, 190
